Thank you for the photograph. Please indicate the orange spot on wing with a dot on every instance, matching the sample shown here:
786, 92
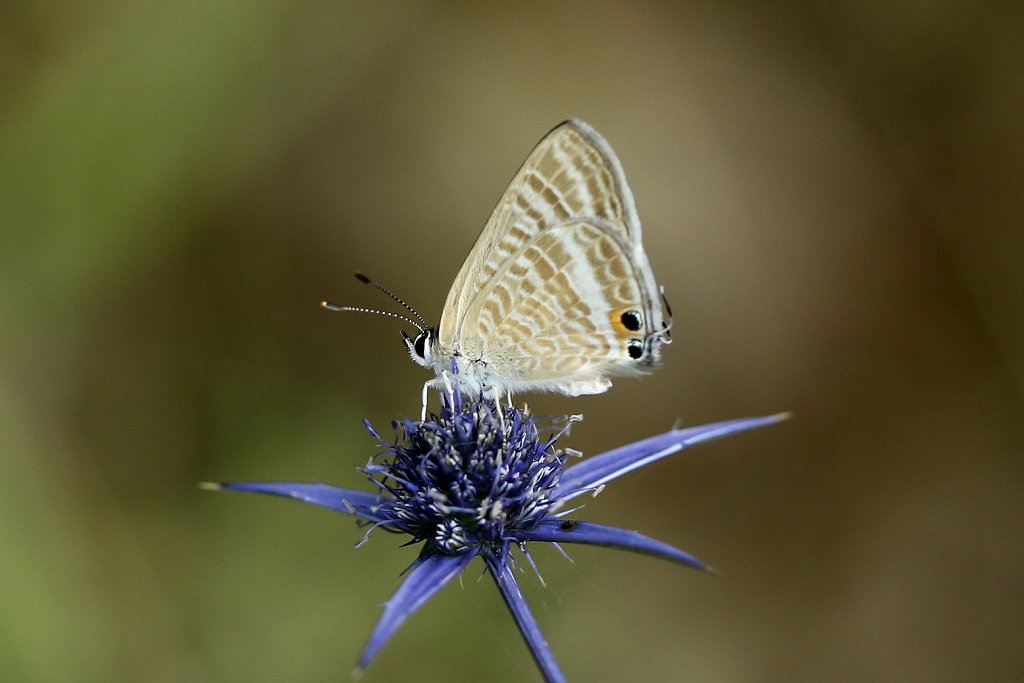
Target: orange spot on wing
615, 318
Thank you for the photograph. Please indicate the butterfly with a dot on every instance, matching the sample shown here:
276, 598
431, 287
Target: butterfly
557, 294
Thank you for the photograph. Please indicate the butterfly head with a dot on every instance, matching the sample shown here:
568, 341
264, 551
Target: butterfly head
421, 347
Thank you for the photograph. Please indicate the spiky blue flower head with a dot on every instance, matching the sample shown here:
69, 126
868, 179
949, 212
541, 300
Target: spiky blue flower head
469, 479
478, 479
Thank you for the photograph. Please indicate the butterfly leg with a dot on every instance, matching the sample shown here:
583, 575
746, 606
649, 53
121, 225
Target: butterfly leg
423, 410
497, 402
492, 393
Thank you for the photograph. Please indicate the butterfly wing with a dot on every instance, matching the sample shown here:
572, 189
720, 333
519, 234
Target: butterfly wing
571, 174
571, 307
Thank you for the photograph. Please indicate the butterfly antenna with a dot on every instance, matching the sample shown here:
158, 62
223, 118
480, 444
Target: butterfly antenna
335, 307
423, 323
666, 333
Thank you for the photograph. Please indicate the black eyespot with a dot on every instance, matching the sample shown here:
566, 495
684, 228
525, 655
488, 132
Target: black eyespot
420, 344
570, 525
632, 321
635, 348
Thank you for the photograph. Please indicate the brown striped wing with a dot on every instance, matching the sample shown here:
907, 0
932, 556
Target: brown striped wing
538, 303
571, 174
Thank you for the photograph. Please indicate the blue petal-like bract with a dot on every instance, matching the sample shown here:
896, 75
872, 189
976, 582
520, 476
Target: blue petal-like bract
350, 501
589, 533
432, 572
535, 640
600, 469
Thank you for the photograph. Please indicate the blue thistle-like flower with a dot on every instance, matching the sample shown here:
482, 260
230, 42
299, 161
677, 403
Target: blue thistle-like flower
478, 479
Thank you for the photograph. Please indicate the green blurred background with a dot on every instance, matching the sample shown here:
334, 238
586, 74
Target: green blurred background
831, 194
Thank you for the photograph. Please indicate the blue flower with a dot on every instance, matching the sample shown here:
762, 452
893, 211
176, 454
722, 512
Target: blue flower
478, 479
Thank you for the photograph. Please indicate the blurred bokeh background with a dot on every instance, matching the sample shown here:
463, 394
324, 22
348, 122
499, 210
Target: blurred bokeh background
832, 195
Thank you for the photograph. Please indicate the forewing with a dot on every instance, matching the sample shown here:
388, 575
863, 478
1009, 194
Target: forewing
554, 311
571, 174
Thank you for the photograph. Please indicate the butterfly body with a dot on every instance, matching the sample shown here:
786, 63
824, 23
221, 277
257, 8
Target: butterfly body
557, 293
